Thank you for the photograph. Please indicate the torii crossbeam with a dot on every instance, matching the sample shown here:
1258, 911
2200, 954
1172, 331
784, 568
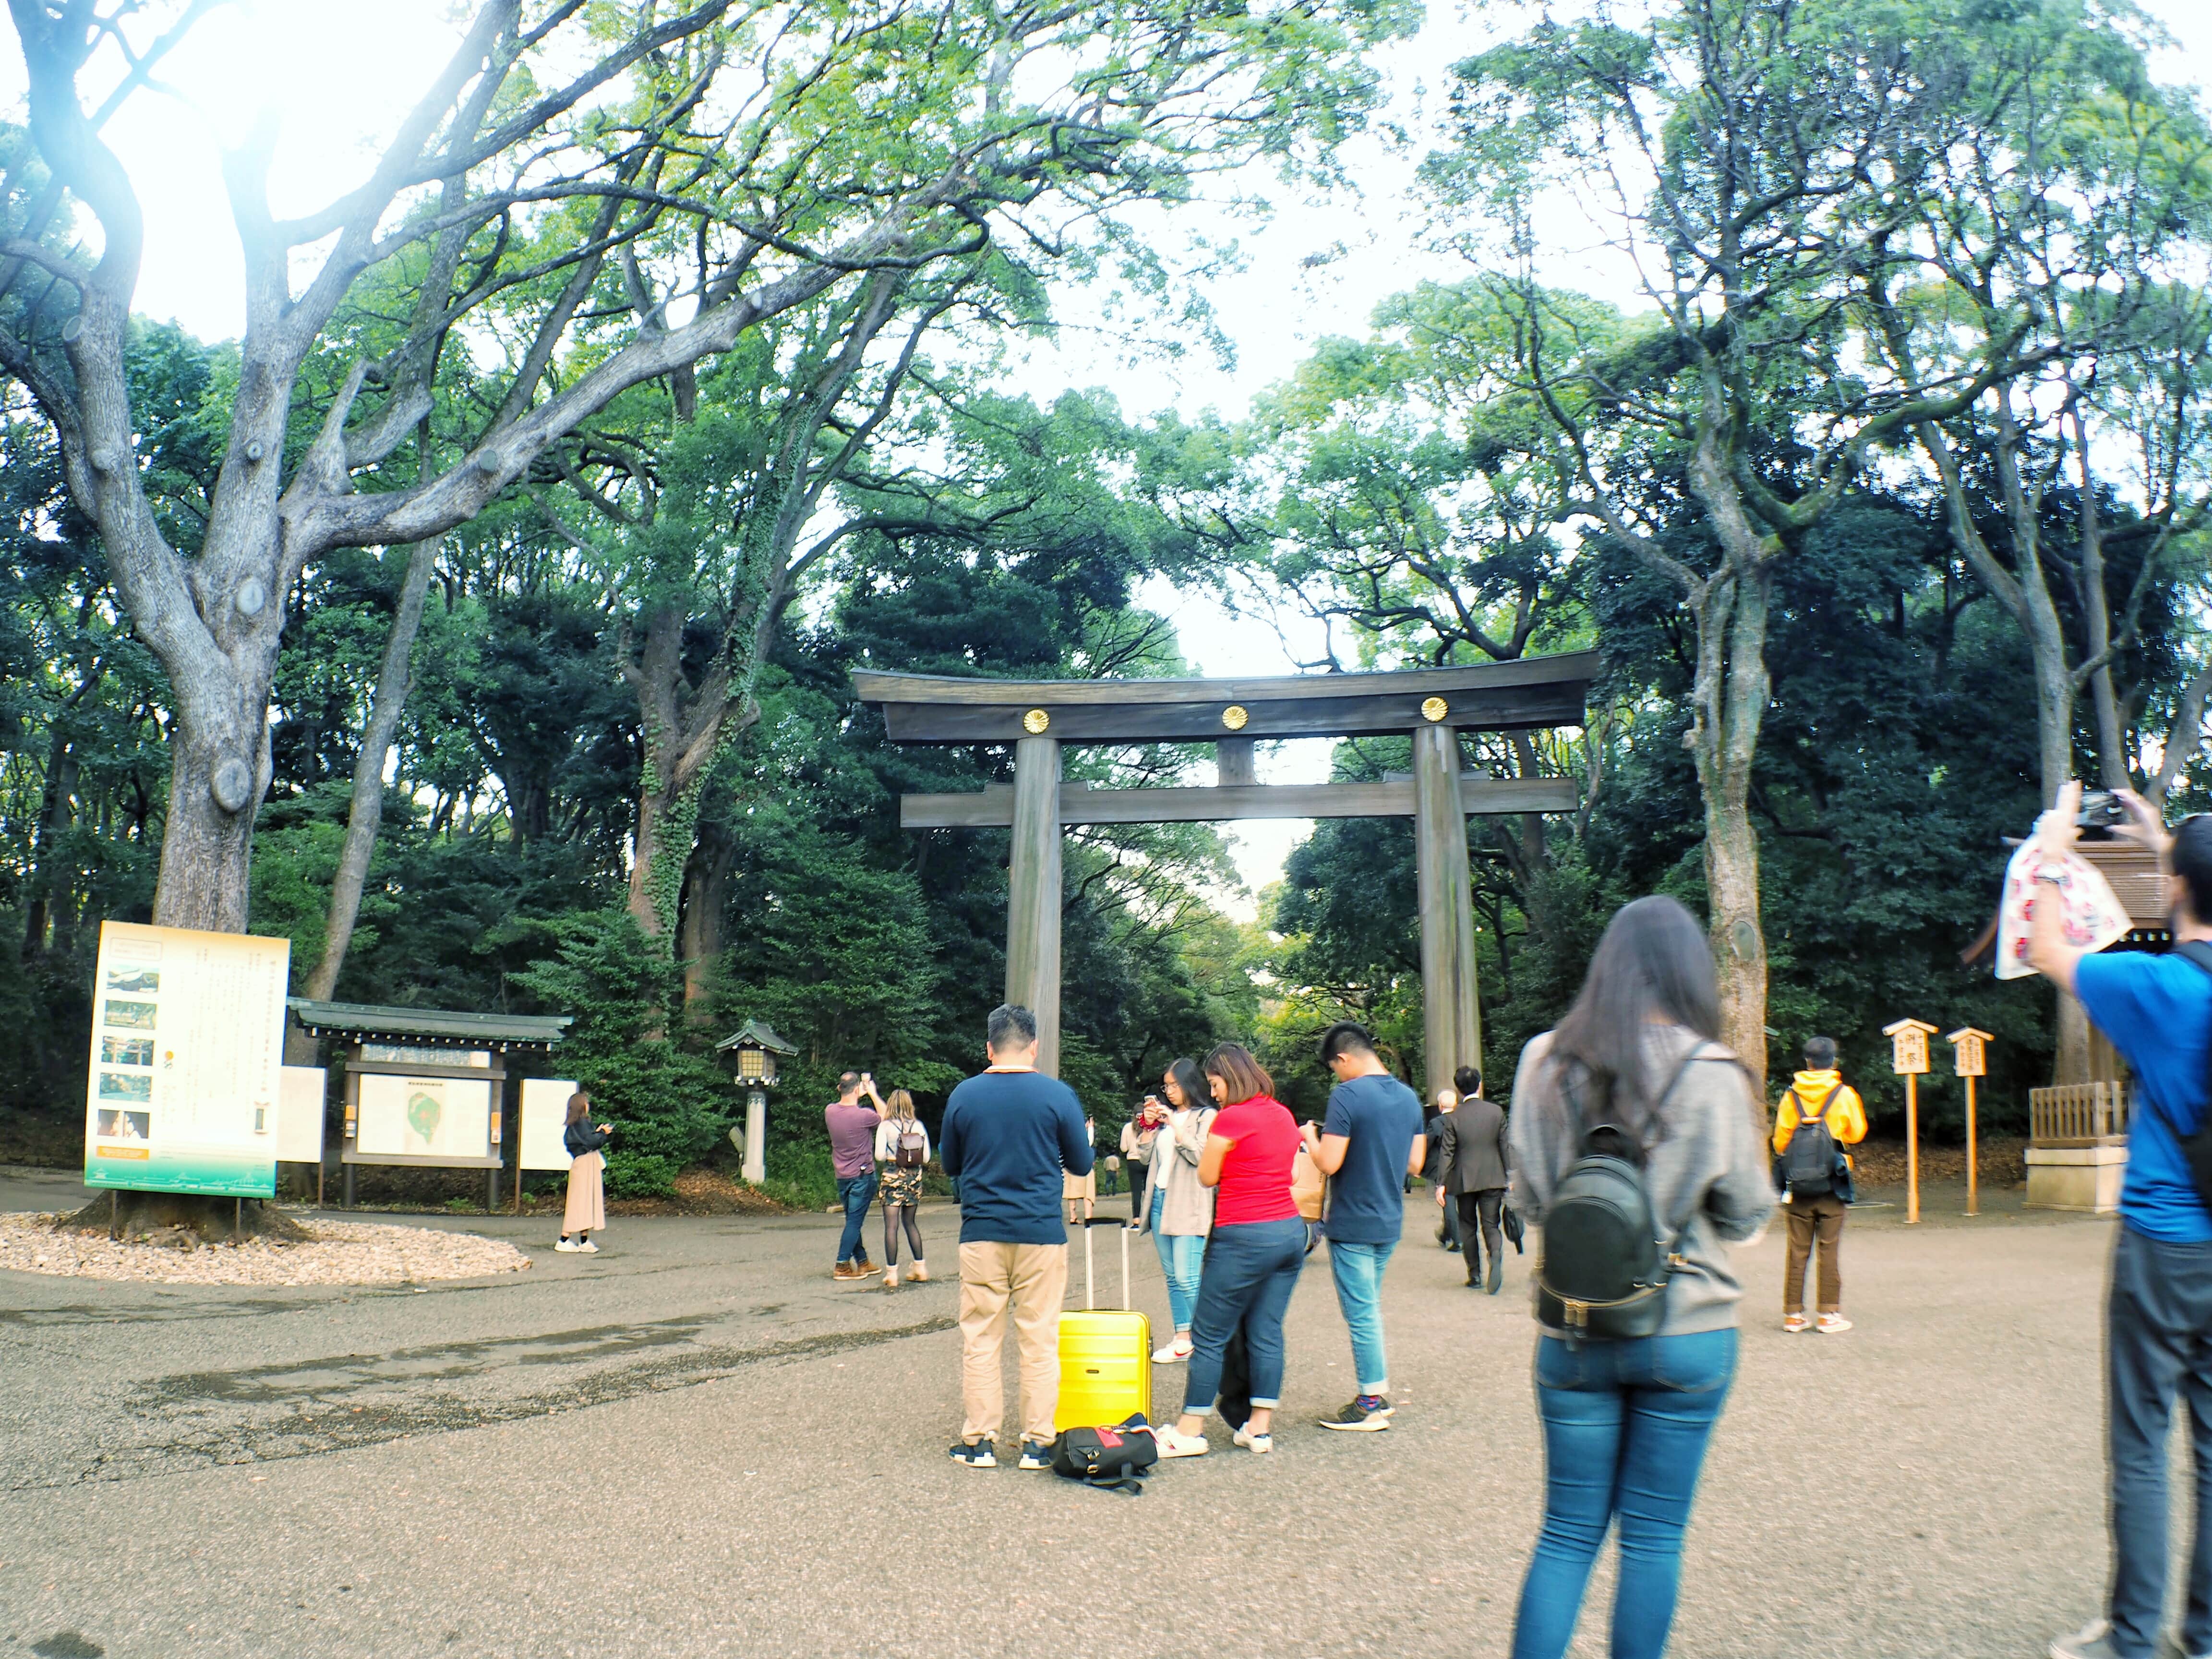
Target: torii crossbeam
1431, 705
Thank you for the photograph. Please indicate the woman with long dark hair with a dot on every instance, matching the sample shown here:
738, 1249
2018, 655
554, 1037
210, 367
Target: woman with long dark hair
1180, 1211
1254, 1254
1636, 1070
585, 1211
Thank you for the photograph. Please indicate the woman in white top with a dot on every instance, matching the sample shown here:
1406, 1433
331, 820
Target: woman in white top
901, 1149
1179, 1210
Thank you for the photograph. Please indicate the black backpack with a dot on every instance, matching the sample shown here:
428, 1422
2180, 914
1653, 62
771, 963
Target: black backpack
2196, 1148
1602, 1273
1809, 1166
1115, 1459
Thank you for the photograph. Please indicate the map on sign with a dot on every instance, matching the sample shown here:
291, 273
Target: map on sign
423, 1111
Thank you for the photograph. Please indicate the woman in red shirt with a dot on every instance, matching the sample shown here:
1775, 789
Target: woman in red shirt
1253, 1257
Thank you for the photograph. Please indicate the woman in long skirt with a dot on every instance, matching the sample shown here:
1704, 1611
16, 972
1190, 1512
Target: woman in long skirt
585, 1212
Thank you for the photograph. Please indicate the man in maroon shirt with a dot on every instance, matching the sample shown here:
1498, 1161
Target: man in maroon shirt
852, 1161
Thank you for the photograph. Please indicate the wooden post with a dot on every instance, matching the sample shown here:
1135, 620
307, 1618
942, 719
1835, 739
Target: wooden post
1236, 764
1908, 1058
1033, 894
1970, 1059
1450, 1003
1973, 1189
1912, 1148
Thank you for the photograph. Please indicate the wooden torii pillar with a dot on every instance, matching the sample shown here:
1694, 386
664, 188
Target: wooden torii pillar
1035, 718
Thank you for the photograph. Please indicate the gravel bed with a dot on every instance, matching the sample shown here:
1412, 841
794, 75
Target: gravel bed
342, 1253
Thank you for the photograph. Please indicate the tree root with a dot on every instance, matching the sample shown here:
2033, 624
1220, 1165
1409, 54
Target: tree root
183, 1221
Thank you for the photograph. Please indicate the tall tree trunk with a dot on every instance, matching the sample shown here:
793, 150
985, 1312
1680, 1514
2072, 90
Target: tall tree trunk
706, 897
219, 771
1730, 699
366, 813
1730, 707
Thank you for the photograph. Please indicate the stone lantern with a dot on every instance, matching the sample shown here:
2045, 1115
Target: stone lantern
756, 1047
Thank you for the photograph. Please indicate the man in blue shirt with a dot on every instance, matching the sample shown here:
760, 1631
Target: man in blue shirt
1367, 1145
2157, 1009
1008, 1138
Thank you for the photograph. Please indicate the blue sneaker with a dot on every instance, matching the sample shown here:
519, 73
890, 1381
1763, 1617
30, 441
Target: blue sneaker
1037, 1455
981, 1455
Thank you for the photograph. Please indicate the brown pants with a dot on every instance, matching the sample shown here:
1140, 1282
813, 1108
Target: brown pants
1811, 1218
1032, 1280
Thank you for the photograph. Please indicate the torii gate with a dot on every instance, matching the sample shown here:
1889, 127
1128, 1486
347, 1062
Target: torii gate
1433, 705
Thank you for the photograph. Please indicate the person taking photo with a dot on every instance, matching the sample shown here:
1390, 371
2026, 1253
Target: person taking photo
2157, 1011
1181, 1213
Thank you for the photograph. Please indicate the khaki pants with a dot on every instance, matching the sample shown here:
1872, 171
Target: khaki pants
1811, 1218
1031, 1279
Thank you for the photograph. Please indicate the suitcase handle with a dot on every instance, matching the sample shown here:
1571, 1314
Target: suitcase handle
1089, 1271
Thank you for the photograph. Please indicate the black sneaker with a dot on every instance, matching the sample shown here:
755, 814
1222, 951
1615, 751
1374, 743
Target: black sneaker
1037, 1455
977, 1456
1359, 1418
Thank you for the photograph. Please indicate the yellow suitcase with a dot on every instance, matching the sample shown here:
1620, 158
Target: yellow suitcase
1105, 1353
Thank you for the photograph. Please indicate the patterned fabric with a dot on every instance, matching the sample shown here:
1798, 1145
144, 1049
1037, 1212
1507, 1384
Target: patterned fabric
901, 1186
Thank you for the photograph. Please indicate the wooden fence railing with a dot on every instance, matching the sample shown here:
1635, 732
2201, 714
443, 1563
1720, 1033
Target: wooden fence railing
2078, 1115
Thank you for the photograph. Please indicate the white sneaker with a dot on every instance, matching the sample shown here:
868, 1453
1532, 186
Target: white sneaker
568, 1247
1261, 1443
1833, 1324
1172, 1353
587, 1249
1175, 1444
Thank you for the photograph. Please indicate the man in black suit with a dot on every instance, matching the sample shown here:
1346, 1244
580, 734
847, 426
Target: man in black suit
1471, 1162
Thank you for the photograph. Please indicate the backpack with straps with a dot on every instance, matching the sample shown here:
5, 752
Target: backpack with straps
1602, 1275
1112, 1459
913, 1149
2196, 1147
1808, 1164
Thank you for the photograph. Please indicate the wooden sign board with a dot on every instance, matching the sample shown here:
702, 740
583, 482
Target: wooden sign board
1908, 1041
1968, 1054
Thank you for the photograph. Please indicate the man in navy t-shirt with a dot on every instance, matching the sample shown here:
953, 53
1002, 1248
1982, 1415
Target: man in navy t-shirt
1369, 1142
1008, 1138
2157, 1009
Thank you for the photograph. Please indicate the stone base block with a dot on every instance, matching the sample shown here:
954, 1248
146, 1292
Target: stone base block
2084, 1178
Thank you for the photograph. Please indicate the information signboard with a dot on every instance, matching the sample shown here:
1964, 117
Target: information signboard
545, 1123
187, 1043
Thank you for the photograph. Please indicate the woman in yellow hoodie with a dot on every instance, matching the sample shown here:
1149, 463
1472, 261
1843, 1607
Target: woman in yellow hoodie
1815, 1209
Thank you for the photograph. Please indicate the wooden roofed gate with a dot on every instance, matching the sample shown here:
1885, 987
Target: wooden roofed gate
1036, 718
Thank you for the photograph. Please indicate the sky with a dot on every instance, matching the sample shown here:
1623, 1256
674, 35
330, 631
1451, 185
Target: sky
339, 74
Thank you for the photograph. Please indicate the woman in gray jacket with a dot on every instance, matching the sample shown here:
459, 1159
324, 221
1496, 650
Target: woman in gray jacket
1181, 1211
1627, 1422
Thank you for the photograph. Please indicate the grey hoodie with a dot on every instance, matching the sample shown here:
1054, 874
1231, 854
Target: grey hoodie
1707, 1167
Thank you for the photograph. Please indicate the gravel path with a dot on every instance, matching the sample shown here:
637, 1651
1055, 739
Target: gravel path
342, 1253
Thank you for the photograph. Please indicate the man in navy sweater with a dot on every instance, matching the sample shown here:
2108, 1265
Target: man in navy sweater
1008, 1138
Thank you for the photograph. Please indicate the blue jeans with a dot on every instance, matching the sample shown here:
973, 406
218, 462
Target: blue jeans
1251, 1268
1357, 1269
1183, 1258
2158, 1343
1625, 1426
855, 1193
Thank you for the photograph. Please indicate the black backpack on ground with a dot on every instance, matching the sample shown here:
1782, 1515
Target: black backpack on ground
1602, 1275
1810, 1162
2195, 1149
1115, 1459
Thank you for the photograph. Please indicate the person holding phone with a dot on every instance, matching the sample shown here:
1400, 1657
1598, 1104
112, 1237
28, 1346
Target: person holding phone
1181, 1210
585, 1211
853, 1162
1136, 1151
